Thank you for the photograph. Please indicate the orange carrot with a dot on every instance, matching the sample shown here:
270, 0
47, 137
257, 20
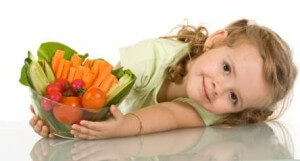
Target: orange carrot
115, 81
66, 69
102, 65
75, 60
59, 54
107, 83
78, 73
88, 79
86, 70
87, 63
71, 74
60, 69
92, 62
95, 67
104, 70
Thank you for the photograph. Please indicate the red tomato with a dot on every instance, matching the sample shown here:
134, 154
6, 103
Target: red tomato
53, 88
93, 98
71, 101
54, 96
69, 92
64, 84
66, 114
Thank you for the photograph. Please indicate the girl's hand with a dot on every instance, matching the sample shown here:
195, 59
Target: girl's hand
99, 130
38, 125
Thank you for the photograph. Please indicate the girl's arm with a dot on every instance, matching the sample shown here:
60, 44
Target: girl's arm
167, 116
155, 118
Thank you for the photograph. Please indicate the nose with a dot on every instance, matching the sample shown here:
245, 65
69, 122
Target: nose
218, 88
214, 90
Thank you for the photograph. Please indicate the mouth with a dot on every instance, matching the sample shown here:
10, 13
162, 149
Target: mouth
204, 90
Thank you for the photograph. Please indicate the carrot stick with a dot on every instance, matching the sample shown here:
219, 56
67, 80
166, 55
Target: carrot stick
107, 83
92, 62
87, 63
95, 67
60, 68
71, 74
115, 81
104, 71
88, 79
86, 70
66, 69
75, 60
78, 73
59, 54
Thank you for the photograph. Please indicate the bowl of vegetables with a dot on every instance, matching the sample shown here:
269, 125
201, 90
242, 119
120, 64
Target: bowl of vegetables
66, 87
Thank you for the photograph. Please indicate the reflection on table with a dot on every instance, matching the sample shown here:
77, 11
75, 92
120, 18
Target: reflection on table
256, 141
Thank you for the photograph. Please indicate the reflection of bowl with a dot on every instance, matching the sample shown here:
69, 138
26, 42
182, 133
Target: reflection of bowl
60, 117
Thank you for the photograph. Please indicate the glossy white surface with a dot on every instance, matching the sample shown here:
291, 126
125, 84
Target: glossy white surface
101, 28
253, 142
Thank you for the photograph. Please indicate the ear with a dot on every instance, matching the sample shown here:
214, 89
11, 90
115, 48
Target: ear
215, 38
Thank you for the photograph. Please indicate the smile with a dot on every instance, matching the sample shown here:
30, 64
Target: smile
204, 90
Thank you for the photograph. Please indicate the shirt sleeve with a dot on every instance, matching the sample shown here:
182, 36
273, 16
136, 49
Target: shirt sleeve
208, 117
148, 58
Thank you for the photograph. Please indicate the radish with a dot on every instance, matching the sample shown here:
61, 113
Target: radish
46, 104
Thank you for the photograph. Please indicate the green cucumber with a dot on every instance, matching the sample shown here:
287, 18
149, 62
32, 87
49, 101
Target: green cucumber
37, 77
116, 93
49, 72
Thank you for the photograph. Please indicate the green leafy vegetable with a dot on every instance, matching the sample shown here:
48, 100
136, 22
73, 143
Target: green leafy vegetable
48, 49
45, 52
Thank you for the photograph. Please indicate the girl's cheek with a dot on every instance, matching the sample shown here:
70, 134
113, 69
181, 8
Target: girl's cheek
220, 106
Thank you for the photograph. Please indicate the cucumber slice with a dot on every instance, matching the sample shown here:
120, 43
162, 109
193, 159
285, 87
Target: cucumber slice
37, 76
49, 72
116, 93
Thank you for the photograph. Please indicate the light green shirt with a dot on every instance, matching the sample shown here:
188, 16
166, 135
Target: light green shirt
148, 60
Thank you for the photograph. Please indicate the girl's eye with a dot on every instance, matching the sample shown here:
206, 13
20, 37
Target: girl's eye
233, 98
226, 68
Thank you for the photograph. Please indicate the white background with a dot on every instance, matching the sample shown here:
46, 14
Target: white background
101, 27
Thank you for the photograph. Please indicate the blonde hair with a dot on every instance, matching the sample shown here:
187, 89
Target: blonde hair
279, 69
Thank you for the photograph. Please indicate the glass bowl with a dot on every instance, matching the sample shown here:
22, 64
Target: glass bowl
60, 117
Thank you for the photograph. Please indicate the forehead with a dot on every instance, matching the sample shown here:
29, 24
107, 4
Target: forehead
250, 79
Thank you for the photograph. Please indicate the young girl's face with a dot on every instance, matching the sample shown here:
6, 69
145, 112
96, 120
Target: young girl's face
231, 77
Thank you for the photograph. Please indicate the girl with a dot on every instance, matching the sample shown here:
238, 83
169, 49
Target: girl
234, 76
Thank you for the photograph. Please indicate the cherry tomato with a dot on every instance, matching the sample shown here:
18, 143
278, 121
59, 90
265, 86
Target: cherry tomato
52, 88
71, 101
66, 114
93, 98
55, 96
64, 84
69, 92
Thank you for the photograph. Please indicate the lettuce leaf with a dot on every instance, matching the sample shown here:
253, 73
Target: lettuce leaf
45, 52
24, 78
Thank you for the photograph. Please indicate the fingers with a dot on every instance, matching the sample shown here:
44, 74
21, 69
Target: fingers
32, 109
91, 125
51, 136
117, 114
44, 131
82, 133
38, 126
77, 130
33, 121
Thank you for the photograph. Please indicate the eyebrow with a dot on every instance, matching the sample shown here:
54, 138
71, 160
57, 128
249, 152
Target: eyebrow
234, 73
